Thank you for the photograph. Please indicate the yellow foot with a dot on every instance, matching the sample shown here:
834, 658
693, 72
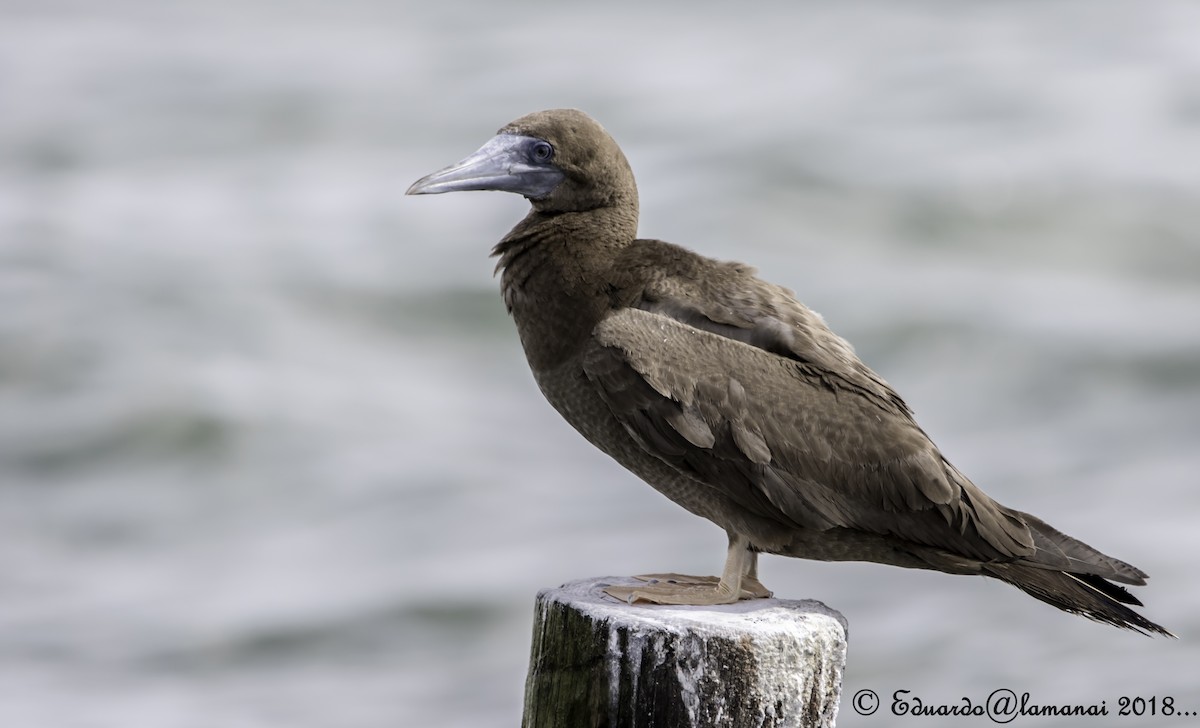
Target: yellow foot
683, 589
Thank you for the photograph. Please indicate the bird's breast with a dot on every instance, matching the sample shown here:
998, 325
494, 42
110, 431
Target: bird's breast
573, 396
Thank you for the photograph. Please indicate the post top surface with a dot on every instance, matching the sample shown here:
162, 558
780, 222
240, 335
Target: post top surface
764, 616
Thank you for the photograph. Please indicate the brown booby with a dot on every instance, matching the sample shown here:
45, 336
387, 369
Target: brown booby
733, 399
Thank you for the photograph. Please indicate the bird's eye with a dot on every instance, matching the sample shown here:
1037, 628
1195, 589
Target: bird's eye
542, 151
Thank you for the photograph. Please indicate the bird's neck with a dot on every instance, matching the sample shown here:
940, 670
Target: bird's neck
553, 269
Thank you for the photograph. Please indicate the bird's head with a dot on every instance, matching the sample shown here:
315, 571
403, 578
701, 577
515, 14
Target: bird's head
561, 160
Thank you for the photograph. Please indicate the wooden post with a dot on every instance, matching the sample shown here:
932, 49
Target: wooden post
599, 663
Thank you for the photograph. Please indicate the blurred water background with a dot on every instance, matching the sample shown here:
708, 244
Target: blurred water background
269, 451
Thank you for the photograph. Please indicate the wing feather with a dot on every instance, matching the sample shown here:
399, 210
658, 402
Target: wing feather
780, 415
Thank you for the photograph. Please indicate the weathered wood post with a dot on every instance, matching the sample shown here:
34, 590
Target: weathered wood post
599, 663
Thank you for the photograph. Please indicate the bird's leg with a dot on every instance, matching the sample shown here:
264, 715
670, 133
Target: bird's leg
738, 581
750, 582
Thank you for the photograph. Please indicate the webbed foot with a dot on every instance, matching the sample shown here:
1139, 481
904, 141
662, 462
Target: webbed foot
689, 590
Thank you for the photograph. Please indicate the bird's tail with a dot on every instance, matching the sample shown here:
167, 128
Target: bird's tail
1067, 573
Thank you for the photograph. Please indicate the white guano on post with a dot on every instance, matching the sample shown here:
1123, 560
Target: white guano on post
599, 663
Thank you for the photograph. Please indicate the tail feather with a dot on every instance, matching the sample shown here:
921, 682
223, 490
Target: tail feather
1085, 594
1059, 552
1109, 589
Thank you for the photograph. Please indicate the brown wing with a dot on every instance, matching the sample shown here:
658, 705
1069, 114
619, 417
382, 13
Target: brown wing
727, 299
798, 439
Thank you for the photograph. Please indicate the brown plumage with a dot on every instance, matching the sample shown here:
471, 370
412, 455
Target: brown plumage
736, 401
